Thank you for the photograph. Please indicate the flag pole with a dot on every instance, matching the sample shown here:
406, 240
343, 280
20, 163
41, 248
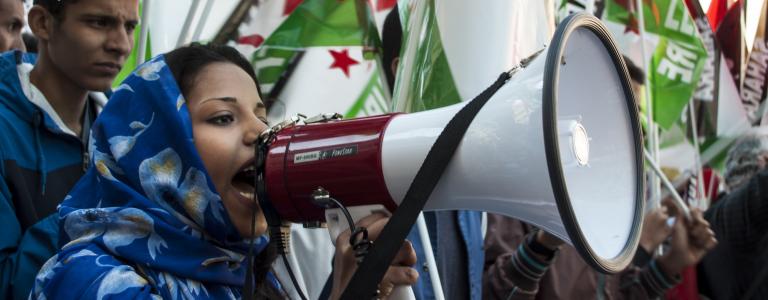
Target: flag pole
410, 43
415, 25
653, 134
184, 36
203, 19
702, 201
144, 33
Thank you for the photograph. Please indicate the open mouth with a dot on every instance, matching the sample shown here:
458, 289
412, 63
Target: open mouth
243, 181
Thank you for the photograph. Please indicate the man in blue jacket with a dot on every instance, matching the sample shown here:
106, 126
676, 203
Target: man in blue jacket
46, 108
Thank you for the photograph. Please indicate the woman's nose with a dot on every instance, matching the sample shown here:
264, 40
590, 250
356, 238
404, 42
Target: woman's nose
255, 128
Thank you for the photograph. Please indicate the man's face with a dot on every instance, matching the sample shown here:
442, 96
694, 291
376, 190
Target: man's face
91, 41
11, 23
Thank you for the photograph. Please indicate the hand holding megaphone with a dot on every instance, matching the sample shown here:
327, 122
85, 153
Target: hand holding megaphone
400, 273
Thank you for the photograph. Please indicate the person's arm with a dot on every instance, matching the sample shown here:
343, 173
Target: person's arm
691, 240
9, 242
515, 263
739, 217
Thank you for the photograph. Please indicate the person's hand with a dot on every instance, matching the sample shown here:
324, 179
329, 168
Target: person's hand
548, 240
400, 272
655, 228
691, 240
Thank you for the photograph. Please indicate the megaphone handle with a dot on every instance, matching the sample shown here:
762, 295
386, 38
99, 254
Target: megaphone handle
337, 223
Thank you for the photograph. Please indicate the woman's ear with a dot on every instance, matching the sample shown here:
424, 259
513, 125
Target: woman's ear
41, 22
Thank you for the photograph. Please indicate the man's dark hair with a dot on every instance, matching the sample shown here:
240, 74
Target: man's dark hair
30, 42
186, 62
55, 7
635, 73
391, 39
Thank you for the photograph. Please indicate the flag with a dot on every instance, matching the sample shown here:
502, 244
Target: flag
678, 55
315, 57
453, 51
754, 89
731, 39
705, 98
716, 11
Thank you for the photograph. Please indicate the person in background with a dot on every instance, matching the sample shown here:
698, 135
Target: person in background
11, 24
738, 267
47, 105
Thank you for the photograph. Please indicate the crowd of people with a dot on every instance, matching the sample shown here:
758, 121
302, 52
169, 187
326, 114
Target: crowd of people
98, 200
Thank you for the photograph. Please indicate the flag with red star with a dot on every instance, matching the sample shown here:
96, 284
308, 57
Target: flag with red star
315, 56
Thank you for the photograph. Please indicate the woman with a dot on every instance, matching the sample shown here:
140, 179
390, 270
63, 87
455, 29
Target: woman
167, 206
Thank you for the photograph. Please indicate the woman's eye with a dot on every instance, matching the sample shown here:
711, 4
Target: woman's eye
221, 120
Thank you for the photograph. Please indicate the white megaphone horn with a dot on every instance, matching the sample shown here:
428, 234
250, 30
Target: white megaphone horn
557, 146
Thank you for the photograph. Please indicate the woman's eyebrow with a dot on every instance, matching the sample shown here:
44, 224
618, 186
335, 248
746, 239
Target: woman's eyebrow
225, 99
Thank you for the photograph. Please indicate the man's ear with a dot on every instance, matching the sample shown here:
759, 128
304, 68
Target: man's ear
393, 66
41, 22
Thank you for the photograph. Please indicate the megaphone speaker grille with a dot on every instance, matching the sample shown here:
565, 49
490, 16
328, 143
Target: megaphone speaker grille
591, 138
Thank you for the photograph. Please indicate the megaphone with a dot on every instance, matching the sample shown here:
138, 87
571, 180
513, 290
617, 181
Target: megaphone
557, 146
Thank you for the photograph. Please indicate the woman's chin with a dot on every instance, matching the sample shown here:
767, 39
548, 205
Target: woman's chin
241, 209
245, 228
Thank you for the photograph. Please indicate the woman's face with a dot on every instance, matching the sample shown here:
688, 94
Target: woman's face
227, 117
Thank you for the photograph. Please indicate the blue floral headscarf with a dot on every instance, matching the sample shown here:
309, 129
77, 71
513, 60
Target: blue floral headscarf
145, 219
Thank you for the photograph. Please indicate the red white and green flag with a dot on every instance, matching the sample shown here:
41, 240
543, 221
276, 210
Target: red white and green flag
317, 56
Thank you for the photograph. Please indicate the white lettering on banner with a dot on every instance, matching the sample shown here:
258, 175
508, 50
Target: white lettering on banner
685, 25
678, 62
754, 80
705, 91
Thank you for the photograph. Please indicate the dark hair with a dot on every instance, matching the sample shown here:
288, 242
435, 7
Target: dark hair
185, 64
55, 7
635, 73
391, 39
30, 42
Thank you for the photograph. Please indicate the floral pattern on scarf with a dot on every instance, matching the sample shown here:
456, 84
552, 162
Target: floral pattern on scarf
145, 220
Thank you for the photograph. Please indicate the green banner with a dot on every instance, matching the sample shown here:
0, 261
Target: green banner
321, 23
430, 81
679, 56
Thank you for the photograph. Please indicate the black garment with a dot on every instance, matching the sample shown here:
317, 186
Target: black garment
740, 222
